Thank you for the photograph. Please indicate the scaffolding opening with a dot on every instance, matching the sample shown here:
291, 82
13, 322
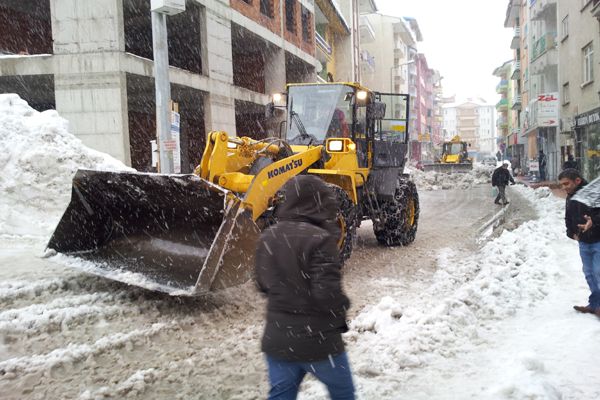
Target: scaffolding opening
25, 27
183, 31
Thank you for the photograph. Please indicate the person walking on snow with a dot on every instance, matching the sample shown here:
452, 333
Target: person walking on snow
500, 179
583, 225
298, 268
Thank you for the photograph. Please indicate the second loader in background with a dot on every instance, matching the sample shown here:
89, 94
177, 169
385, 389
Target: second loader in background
191, 234
455, 157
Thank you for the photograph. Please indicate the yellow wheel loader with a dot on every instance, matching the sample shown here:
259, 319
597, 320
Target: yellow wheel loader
191, 234
455, 157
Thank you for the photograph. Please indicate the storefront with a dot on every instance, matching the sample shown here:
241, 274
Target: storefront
587, 146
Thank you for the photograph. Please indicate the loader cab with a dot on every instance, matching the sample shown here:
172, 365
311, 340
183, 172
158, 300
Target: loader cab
318, 112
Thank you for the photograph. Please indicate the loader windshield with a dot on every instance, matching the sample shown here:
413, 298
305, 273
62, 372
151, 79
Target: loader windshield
317, 112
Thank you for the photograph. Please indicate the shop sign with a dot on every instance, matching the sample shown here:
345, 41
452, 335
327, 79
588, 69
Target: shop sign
547, 109
534, 165
588, 118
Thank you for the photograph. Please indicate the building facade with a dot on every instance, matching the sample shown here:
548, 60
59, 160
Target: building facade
555, 96
92, 62
579, 90
474, 121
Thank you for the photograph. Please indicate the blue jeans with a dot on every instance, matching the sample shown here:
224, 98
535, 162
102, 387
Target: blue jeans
285, 377
590, 257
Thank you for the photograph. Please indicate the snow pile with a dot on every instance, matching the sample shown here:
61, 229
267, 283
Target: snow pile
431, 180
38, 158
468, 295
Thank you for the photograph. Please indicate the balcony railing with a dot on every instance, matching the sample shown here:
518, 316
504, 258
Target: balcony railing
502, 105
543, 44
516, 40
322, 43
367, 60
516, 74
516, 102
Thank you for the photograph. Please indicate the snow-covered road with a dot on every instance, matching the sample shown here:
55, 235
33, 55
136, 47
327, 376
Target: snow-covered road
72, 335
478, 307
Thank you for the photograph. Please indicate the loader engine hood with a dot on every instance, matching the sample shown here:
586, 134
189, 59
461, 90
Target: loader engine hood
307, 198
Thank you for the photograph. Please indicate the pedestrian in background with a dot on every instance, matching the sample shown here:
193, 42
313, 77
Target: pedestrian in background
500, 179
583, 225
542, 165
298, 268
570, 163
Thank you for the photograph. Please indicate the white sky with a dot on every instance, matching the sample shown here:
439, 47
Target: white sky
463, 39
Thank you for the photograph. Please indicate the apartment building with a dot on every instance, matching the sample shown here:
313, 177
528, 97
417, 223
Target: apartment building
92, 61
579, 89
474, 121
556, 96
504, 121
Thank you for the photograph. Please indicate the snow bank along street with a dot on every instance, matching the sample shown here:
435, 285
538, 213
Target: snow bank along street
494, 323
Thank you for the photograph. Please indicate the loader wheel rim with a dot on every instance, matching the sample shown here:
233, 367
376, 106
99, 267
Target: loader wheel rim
342, 223
411, 212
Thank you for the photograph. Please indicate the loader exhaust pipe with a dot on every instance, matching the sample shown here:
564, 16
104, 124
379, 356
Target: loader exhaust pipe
178, 234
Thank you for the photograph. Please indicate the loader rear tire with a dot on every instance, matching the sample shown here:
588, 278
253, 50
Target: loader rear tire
347, 221
399, 216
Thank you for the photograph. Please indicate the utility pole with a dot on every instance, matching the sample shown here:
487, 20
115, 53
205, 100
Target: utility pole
160, 9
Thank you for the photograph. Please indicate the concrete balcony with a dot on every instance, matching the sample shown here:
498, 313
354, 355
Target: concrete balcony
516, 104
544, 56
516, 72
367, 33
502, 105
516, 39
543, 10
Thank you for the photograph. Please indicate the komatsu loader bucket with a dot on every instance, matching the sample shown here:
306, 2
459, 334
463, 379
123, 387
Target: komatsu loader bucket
177, 234
448, 167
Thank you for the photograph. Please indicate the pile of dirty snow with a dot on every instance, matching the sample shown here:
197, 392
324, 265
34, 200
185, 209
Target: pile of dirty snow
38, 158
431, 180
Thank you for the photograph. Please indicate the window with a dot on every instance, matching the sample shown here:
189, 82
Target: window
565, 94
565, 27
306, 36
588, 64
290, 15
266, 8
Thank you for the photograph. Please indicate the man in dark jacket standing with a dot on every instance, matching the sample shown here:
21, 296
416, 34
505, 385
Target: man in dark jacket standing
298, 268
500, 179
583, 225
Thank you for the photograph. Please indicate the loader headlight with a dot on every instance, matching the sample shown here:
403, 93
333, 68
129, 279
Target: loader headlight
335, 145
361, 95
231, 145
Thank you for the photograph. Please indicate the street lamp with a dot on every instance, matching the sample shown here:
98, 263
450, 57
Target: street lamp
392, 73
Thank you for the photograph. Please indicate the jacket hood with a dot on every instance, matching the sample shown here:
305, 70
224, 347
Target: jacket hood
307, 198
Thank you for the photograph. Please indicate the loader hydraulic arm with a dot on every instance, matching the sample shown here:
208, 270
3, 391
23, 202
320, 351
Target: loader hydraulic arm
271, 178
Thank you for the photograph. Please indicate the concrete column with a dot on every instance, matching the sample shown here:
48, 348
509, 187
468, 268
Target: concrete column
216, 44
96, 107
90, 90
274, 70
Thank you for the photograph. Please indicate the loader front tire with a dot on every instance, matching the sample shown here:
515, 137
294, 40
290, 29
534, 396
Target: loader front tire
347, 222
399, 216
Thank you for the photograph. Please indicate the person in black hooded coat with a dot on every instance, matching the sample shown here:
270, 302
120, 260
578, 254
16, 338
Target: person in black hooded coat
298, 268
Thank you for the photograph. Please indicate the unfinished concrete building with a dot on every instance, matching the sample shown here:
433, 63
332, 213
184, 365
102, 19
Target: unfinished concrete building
92, 62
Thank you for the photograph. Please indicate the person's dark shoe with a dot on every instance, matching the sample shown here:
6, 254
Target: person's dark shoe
497, 202
505, 203
587, 310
